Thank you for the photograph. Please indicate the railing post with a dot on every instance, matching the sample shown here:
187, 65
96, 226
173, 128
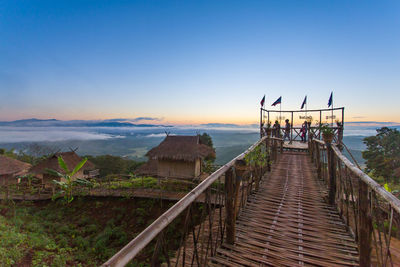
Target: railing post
267, 148
231, 194
311, 148
318, 158
331, 173
274, 150
257, 174
365, 225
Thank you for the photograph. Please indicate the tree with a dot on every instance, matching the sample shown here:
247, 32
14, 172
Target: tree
108, 164
30, 153
206, 139
383, 154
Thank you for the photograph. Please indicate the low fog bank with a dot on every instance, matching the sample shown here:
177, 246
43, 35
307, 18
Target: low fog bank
135, 142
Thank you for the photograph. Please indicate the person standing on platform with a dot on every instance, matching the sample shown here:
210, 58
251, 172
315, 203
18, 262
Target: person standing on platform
276, 130
287, 130
304, 132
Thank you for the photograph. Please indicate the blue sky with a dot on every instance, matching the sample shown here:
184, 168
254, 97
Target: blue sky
197, 61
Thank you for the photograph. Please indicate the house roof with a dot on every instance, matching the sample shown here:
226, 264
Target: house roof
70, 158
148, 168
179, 147
9, 166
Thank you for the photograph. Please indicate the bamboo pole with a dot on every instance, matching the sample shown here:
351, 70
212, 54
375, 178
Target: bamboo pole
320, 123
291, 129
331, 173
318, 157
365, 225
261, 123
229, 204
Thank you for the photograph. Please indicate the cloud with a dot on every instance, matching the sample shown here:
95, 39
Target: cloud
15, 135
147, 119
133, 120
359, 117
387, 123
157, 135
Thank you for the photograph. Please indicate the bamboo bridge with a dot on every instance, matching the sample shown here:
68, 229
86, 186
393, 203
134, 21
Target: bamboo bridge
278, 204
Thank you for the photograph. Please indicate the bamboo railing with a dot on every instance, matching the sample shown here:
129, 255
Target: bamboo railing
371, 213
203, 229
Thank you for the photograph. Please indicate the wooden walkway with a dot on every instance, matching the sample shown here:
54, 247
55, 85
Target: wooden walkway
288, 223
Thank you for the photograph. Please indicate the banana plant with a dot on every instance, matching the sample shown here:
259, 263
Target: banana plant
67, 184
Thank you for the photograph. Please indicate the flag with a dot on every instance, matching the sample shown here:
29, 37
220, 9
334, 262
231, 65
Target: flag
304, 102
330, 100
278, 101
262, 101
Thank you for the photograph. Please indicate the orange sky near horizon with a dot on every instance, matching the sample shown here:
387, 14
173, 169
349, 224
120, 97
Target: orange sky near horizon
193, 118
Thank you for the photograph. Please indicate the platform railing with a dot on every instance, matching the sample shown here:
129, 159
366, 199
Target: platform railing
312, 132
371, 213
189, 233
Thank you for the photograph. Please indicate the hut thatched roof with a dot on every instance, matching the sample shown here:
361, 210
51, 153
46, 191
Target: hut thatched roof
9, 166
70, 158
179, 147
148, 168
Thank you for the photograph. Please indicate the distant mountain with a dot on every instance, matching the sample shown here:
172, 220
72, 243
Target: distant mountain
74, 123
230, 125
219, 125
27, 122
373, 123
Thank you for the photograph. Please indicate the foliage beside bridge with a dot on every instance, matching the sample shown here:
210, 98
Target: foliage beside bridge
84, 233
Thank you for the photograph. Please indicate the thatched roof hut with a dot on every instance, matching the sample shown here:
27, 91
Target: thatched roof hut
10, 166
177, 156
70, 158
179, 147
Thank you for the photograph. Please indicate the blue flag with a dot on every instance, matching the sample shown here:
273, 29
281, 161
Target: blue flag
330, 100
262, 101
304, 102
278, 101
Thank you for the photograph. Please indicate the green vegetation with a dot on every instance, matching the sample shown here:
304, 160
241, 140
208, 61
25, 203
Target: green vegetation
326, 130
108, 165
257, 157
85, 233
19, 156
208, 163
29, 153
144, 182
383, 155
206, 139
67, 183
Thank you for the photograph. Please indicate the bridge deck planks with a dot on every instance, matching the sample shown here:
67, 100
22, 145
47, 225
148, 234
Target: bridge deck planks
288, 223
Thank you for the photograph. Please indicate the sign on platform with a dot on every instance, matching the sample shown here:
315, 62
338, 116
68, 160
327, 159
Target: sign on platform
331, 117
305, 117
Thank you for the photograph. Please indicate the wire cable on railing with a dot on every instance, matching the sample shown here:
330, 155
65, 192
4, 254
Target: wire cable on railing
351, 155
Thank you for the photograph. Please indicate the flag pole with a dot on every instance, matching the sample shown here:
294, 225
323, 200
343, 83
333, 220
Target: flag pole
332, 110
263, 111
306, 107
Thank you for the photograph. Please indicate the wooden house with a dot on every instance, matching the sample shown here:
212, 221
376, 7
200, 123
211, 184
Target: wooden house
70, 158
177, 157
10, 169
